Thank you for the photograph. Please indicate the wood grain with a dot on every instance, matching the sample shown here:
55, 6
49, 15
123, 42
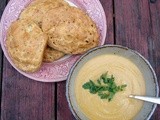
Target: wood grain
1, 67
155, 19
2, 6
1, 64
25, 99
133, 24
134, 29
108, 8
63, 112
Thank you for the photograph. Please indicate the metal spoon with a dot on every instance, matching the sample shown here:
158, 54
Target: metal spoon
148, 99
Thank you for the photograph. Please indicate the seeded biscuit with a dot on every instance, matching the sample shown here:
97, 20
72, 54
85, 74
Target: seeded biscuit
51, 54
38, 8
26, 43
70, 30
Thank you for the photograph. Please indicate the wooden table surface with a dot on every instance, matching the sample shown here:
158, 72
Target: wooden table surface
131, 23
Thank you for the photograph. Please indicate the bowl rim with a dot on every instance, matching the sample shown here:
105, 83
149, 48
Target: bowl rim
105, 46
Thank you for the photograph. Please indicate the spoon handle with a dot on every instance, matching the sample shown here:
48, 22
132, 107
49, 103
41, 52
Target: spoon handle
148, 99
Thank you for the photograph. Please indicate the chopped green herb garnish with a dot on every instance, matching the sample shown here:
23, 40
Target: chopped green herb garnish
105, 87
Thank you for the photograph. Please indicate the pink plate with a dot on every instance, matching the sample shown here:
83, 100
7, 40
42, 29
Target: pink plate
56, 71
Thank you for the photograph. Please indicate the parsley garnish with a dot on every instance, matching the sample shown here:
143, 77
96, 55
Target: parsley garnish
105, 87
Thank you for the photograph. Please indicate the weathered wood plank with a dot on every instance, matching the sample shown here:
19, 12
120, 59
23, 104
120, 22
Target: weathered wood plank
2, 6
134, 29
155, 19
1, 67
108, 8
133, 24
63, 112
25, 99
1, 64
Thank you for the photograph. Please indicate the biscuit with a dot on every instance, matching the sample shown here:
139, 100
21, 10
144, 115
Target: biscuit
38, 8
51, 55
26, 43
70, 30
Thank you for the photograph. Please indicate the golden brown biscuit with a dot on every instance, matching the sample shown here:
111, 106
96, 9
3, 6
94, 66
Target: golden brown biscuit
40, 1
51, 54
38, 8
26, 43
70, 30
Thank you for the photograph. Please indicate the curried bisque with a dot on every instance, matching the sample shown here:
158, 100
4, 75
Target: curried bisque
121, 107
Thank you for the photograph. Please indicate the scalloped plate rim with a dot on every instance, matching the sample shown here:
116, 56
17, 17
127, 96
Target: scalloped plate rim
41, 79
